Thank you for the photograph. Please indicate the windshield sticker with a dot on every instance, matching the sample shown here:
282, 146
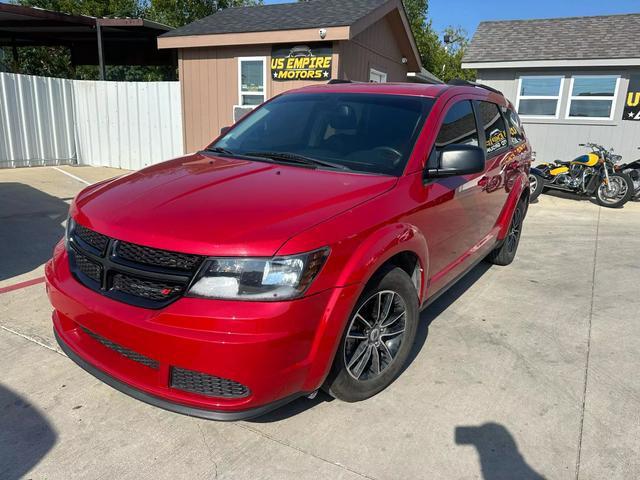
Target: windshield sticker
496, 140
301, 62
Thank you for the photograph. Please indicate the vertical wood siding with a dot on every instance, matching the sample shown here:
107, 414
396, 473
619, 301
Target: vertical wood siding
376, 47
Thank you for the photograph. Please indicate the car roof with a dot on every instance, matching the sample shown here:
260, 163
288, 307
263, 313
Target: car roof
411, 89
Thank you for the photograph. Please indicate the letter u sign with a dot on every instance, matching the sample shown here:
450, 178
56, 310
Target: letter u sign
633, 99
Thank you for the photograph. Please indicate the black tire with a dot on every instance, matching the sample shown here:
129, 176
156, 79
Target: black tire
537, 186
506, 252
341, 382
623, 199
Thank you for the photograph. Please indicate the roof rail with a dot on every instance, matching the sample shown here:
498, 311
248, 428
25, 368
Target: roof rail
335, 81
462, 83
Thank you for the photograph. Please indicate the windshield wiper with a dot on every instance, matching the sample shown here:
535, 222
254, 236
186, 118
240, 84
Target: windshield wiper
295, 158
220, 150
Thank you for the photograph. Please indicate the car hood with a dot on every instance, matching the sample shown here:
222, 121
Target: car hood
211, 205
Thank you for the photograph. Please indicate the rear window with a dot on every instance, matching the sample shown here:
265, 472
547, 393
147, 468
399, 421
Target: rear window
495, 130
515, 127
364, 132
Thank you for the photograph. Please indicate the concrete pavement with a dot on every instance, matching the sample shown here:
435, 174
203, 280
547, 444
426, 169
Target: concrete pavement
520, 372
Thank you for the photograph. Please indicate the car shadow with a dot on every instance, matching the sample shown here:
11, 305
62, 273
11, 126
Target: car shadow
32, 223
426, 318
25, 435
500, 458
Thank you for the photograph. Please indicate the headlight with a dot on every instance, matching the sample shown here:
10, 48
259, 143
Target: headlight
277, 278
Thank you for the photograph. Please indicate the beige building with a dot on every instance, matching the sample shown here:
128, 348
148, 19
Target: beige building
239, 57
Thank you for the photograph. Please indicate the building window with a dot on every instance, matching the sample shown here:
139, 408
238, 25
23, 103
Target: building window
593, 96
376, 76
252, 75
539, 96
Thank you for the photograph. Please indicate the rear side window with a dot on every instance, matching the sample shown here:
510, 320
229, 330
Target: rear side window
459, 126
495, 130
515, 127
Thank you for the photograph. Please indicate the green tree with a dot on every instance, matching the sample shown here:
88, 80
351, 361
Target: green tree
444, 61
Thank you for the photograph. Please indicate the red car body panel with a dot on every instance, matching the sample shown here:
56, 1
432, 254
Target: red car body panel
197, 204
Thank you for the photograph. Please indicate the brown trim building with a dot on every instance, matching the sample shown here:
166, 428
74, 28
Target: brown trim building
239, 57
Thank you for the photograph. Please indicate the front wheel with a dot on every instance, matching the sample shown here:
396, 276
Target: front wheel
617, 192
536, 185
377, 340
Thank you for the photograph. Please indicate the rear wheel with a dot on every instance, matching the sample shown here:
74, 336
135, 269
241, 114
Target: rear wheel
536, 186
617, 192
377, 340
505, 253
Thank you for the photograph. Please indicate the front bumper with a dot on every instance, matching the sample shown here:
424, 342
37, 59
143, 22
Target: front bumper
278, 350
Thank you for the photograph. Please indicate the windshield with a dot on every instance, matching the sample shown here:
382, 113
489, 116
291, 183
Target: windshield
360, 132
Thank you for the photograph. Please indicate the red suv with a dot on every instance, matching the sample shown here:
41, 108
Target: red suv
296, 252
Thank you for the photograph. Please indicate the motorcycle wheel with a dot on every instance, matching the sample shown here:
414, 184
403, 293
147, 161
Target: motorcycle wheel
617, 193
536, 186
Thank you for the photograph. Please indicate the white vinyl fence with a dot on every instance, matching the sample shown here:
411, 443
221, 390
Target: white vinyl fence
52, 121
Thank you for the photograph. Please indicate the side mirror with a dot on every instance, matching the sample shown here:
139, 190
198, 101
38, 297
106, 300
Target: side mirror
224, 130
458, 160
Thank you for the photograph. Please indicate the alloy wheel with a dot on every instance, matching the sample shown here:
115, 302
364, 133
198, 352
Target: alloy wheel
374, 335
613, 191
514, 230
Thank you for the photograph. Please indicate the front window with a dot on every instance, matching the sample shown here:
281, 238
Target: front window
251, 74
593, 96
539, 96
361, 132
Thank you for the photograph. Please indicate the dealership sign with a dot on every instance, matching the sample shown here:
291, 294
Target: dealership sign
632, 100
301, 62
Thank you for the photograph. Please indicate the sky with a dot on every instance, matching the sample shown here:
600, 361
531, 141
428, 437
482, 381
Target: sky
469, 13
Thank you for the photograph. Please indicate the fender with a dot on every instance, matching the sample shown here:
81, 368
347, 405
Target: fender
538, 172
370, 255
379, 247
520, 186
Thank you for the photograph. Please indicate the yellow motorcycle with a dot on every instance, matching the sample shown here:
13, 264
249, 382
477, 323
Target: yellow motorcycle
593, 174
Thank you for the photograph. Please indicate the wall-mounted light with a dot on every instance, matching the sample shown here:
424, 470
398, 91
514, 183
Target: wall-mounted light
323, 33
404, 60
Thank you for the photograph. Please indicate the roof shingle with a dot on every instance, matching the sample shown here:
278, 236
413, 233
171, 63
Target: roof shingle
611, 36
284, 16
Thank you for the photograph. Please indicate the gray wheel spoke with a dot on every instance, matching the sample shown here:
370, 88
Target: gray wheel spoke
357, 336
362, 363
386, 350
393, 320
375, 360
391, 333
360, 349
386, 308
363, 320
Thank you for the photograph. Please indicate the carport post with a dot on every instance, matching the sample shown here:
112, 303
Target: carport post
100, 52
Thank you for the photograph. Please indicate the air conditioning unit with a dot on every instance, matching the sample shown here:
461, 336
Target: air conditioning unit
240, 111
